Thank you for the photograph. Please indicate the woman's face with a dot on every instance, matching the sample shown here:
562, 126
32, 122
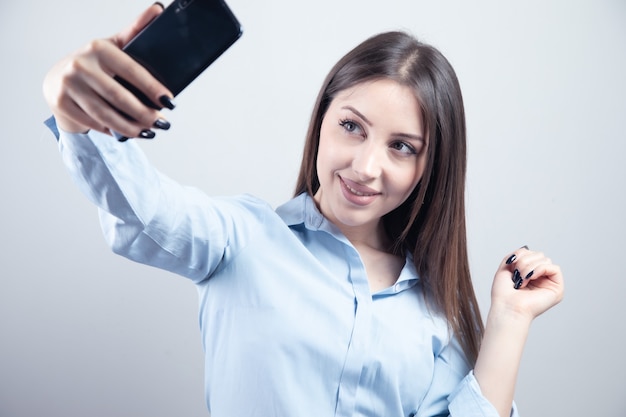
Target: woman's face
372, 153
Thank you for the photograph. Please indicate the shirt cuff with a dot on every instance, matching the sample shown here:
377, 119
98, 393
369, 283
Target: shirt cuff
90, 143
51, 123
74, 140
468, 401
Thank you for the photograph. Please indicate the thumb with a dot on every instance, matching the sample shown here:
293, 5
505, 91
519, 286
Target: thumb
148, 15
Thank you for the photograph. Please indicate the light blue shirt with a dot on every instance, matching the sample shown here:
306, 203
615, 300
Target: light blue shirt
289, 325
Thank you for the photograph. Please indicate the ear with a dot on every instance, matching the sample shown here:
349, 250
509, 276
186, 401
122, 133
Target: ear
123, 37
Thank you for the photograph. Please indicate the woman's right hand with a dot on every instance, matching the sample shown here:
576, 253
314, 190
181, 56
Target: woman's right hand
83, 95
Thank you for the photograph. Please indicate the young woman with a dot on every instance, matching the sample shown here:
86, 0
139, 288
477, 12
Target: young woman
355, 297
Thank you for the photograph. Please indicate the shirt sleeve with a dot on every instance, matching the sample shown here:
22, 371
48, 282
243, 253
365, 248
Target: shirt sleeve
468, 401
454, 390
147, 217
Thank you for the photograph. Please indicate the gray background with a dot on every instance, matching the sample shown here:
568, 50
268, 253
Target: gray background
83, 332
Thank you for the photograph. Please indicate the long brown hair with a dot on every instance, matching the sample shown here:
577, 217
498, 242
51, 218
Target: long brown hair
431, 222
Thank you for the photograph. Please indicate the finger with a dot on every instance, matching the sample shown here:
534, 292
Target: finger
527, 261
119, 64
512, 257
100, 115
81, 118
92, 91
96, 78
63, 88
545, 289
546, 272
521, 264
123, 37
546, 276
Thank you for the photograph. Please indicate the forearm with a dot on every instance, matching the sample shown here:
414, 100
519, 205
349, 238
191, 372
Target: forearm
141, 211
151, 219
500, 356
117, 178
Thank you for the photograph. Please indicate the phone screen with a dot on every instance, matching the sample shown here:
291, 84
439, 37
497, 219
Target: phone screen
183, 41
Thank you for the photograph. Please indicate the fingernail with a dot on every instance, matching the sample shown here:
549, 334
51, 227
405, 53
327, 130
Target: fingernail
162, 124
167, 102
511, 259
160, 4
524, 247
118, 136
147, 134
518, 283
516, 276
530, 274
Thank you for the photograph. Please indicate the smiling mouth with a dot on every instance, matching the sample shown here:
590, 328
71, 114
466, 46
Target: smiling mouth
360, 192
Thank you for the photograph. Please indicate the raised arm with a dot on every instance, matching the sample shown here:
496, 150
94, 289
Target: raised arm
145, 215
526, 284
83, 95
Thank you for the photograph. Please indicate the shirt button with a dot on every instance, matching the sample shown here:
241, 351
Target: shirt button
396, 288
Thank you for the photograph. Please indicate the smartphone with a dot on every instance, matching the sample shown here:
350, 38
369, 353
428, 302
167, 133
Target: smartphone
180, 43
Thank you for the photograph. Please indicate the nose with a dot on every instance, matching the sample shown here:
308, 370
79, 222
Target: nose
367, 162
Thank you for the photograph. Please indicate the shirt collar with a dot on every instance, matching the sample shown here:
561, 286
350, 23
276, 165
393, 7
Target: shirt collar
302, 210
407, 279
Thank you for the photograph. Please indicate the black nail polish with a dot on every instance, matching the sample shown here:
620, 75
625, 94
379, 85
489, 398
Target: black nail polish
160, 4
525, 247
147, 134
518, 283
162, 124
516, 276
118, 136
167, 102
511, 259
530, 274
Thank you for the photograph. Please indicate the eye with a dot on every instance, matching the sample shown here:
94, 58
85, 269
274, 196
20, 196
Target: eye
403, 148
350, 126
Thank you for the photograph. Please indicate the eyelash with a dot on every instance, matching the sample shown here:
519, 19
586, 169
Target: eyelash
411, 150
351, 126
347, 122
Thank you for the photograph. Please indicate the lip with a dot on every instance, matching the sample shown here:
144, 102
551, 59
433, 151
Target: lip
356, 193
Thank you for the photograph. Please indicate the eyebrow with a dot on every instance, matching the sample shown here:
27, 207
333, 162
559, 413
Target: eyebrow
366, 120
358, 113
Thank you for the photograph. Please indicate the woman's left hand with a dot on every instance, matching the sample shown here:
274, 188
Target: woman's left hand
527, 283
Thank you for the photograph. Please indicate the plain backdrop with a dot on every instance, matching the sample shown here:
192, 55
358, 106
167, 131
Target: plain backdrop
86, 333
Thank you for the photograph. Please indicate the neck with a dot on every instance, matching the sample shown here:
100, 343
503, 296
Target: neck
369, 236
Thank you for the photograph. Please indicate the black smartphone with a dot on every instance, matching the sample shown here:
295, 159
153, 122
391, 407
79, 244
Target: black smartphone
180, 43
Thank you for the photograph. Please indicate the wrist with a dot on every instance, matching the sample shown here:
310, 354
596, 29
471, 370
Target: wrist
502, 316
70, 126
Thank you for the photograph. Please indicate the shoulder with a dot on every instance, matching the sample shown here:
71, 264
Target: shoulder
242, 207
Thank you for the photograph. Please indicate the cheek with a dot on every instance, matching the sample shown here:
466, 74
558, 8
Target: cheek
408, 187
327, 152
420, 167
413, 178
322, 156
